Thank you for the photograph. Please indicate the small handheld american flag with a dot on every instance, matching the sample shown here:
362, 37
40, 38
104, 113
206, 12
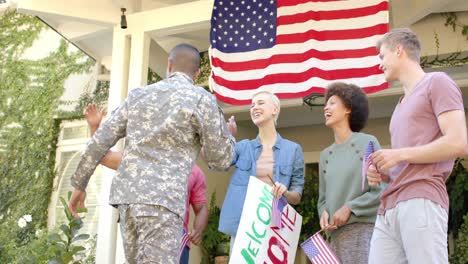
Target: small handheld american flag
277, 209
366, 162
184, 241
318, 251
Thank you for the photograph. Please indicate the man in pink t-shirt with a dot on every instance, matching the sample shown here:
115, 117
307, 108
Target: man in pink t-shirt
196, 196
428, 131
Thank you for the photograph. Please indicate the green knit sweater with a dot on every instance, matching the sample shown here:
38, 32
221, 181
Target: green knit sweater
341, 180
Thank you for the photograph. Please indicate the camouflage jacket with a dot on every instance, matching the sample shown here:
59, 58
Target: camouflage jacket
165, 125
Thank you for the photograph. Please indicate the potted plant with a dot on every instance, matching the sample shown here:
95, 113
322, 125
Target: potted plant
214, 243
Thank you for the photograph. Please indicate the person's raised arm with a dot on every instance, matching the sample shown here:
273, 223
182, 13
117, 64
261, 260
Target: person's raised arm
217, 143
94, 117
105, 137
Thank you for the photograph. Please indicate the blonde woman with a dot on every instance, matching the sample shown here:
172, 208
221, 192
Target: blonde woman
269, 156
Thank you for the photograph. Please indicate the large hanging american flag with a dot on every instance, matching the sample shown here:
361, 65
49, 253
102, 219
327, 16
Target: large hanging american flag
294, 47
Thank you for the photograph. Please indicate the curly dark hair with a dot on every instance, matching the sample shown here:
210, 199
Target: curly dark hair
354, 99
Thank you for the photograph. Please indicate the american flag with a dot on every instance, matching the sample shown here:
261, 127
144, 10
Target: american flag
277, 209
318, 251
366, 162
183, 242
294, 47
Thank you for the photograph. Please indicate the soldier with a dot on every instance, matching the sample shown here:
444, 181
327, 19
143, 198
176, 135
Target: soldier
165, 125
196, 195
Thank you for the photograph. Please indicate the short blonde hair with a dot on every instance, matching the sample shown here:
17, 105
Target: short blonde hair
404, 37
274, 99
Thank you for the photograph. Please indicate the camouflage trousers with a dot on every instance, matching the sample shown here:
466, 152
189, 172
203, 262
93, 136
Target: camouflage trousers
150, 233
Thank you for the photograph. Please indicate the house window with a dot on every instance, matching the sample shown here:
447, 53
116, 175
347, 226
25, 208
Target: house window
72, 142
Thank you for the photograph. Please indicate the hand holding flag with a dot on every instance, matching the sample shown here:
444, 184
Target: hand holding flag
183, 242
278, 204
324, 223
366, 162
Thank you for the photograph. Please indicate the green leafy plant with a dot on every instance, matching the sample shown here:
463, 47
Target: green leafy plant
62, 245
457, 188
66, 246
30, 92
153, 76
202, 79
451, 60
205, 69
98, 96
451, 20
211, 236
308, 206
460, 256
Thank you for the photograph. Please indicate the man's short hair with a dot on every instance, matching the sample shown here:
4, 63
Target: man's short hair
185, 58
404, 37
274, 99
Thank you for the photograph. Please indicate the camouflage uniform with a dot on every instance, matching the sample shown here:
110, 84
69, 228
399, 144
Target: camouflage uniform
165, 125
145, 227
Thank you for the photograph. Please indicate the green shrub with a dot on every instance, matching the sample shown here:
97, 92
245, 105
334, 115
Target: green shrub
211, 236
460, 255
60, 246
308, 206
30, 92
457, 188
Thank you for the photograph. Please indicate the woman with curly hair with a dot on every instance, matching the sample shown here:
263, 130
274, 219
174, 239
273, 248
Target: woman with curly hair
347, 211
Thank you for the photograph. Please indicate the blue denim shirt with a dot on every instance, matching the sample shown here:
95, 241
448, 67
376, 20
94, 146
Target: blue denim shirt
288, 169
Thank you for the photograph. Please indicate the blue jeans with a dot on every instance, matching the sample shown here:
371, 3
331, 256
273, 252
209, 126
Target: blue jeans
185, 255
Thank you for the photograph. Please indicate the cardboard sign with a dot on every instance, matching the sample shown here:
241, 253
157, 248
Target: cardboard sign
257, 240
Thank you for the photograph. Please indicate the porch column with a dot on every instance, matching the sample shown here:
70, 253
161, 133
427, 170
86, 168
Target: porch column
139, 57
107, 225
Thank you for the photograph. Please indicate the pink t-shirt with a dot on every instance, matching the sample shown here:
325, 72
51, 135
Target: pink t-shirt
414, 123
196, 191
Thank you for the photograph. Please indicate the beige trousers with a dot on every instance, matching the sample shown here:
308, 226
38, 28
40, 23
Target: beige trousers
151, 234
415, 231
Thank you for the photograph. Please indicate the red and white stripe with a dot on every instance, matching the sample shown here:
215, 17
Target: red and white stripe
184, 241
326, 255
318, 42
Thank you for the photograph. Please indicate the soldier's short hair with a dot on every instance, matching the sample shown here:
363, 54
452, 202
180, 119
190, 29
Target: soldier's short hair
185, 58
